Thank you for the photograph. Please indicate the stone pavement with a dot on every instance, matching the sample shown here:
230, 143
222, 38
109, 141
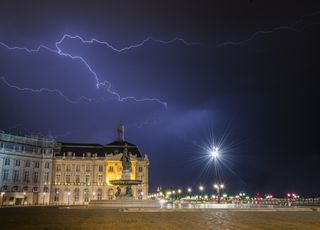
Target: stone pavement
83, 218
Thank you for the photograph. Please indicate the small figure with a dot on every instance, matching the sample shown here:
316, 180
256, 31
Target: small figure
128, 191
118, 192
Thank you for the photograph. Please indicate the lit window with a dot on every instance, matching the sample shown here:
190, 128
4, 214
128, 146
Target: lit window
58, 176
58, 168
56, 194
100, 178
68, 178
76, 194
68, 168
99, 194
87, 179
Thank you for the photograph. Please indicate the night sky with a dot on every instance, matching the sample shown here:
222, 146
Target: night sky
178, 75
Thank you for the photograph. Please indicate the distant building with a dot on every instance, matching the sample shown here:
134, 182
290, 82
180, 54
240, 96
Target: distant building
44, 171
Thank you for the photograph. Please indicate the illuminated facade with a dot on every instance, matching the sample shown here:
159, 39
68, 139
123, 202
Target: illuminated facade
25, 169
69, 173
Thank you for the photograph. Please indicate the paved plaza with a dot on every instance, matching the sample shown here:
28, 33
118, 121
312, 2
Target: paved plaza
83, 218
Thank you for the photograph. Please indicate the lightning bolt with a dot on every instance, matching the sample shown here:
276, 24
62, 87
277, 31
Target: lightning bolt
59, 51
56, 91
295, 27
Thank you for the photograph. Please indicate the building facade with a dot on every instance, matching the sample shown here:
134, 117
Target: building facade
44, 171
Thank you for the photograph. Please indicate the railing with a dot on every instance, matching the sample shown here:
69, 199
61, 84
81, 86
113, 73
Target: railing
284, 202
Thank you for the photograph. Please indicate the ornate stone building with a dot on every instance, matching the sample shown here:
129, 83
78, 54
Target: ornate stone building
25, 169
66, 173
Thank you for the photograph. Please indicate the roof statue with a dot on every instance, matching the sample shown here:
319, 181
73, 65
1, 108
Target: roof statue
120, 130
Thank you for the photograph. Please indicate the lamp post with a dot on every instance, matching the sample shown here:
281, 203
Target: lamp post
218, 187
201, 188
44, 194
68, 197
24, 197
2, 196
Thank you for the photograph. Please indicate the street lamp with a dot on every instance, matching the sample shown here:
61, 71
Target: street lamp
179, 191
24, 197
68, 196
201, 189
218, 187
215, 152
2, 197
189, 190
44, 194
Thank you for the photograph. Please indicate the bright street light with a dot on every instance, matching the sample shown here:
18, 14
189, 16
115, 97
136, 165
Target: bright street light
215, 152
201, 188
218, 187
189, 189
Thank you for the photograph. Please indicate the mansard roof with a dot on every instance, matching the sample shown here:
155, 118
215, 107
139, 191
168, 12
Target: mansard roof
113, 148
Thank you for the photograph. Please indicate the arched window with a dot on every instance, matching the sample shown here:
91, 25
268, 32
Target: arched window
100, 168
86, 195
110, 194
76, 194
56, 194
99, 194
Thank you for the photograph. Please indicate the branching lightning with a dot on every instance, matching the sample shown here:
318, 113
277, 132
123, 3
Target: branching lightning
59, 51
294, 27
56, 91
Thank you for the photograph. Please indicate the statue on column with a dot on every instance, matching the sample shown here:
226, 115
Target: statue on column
126, 162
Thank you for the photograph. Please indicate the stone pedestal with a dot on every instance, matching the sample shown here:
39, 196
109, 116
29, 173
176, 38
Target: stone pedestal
125, 203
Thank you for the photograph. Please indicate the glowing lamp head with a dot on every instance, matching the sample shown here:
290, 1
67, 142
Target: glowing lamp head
189, 189
215, 152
